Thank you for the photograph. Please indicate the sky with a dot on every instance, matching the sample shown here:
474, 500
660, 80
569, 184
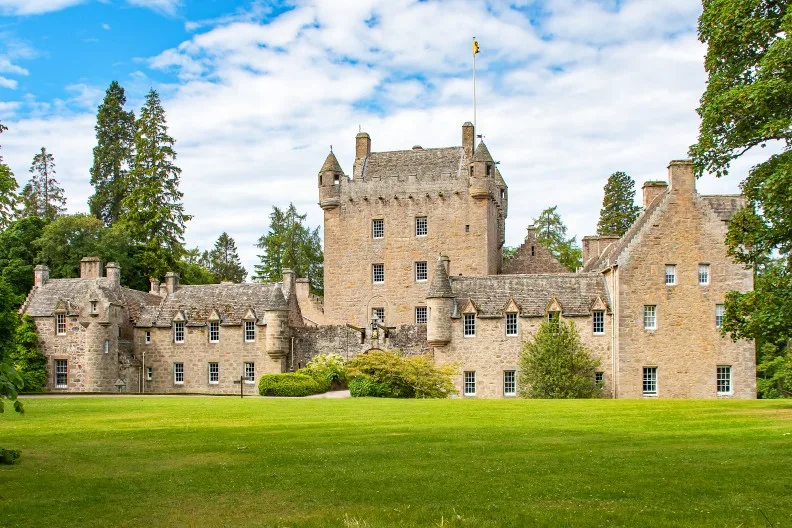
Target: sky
568, 92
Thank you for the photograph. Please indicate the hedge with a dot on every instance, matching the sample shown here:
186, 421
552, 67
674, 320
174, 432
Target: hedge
289, 384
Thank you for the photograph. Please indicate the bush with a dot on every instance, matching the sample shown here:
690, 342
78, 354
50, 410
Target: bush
392, 375
27, 358
327, 369
289, 384
8, 456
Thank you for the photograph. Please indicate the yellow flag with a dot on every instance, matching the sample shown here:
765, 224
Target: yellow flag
475, 46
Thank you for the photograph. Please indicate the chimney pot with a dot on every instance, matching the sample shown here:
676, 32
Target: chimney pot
90, 268
171, 282
680, 175
40, 275
651, 190
362, 145
113, 272
155, 286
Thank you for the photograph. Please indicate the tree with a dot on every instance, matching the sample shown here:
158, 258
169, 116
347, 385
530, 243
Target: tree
43, 196
555, 364
8, 194
115, 136
18, 254
746, 105
27, 359
618, 206
194, 268
66, 240
152, 210
551, 233
10, 381
224, 260
290, 244
507, 253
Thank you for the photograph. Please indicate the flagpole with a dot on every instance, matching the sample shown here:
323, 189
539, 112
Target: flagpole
475, 130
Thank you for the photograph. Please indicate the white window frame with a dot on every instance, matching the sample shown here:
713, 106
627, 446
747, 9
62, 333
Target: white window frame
670, 274
178, 331
249, 329
421, 315
147, 338
378, 228
214, 331
94, 307
106, 346
60, 324
249, 371
510, 383
421, 226
378, 266
178, 371
469, 325
149, 373
704, 274
469, 383
720, 313
649, 381
421, 271
62, 369
650, 317
723, 375
378, 313
595, 323
214, 372
512, 325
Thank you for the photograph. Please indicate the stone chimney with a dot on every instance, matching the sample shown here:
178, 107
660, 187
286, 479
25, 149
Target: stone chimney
362, 145
468, 139
171, 282
163, 290
680, 175
155, 286
113, 272
446, 263
40, 275
90, 268
651, 190
595, 245
288, 283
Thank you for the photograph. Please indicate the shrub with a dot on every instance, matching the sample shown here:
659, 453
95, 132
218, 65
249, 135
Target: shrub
392, 375
289, 384
8, 456
27, 358
327, 369
363, 386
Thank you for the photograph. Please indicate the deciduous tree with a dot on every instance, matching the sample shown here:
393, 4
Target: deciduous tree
618, 206
551, 233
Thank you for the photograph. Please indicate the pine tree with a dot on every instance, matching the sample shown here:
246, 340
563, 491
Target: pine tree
618, 206
225, 263
8, 192
551, 233
152, 210
115, 136
43, 196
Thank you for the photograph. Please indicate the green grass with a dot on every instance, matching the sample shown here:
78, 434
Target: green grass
202, 461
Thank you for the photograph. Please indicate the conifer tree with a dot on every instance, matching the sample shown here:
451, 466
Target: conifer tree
115, 136
152, 210
551, 233
8, 192
618, 206
43, 196
225, 263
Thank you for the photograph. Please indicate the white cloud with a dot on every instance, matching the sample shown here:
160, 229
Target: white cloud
167, 7
11, 84
35, 7
106, 27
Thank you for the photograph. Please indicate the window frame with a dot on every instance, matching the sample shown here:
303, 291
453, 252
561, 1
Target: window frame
600, 323
106, 346
425, 310
704, 271
381, 267
599, 378
421, 221
149, 373
94, 307
249, 328
418, 265
177, 325
377, 228
727, 378
672, 275
378, 313
178, 369
650, 317
60, 322
469, 325
252, 365
512, 324
216, 372
62, 369
720, 313
649, 380
214, 329
468, 380
147, 337
513, 383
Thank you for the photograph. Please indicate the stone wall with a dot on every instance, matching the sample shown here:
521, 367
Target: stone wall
533, 257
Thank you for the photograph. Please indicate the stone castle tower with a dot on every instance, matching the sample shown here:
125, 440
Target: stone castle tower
385, 226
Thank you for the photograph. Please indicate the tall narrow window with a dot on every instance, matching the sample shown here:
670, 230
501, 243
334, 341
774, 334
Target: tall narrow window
149, 373
178, 373
106, 346
148, 337
378, 228
509, 383
650, 317
420, 315
553, 318
469, 324
214, 373
250, 331
421, 272
511, 324
670, 275
250, 372
378, 314
378, 273
214, 331
61, 374
724, 380
533, 251
470, 383
60, 324
599, 321
599, 379
94, 306
720, 311
178, 332
704, 274
421, 226
650, 381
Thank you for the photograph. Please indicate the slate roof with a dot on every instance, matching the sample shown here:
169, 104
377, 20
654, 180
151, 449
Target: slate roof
575, 292
42, 300
137, 302
232, 302
430, 162
441, 285
331, 164
482, 153
725, 205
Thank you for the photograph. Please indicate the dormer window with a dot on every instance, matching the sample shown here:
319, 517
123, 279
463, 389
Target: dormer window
94, 307
250, 331
178, 332
60, 324
553, 318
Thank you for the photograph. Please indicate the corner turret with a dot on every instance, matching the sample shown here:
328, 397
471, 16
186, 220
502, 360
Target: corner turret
330, 176
440, 302
482, 173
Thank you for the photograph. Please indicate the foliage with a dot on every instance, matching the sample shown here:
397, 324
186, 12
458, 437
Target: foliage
774, 374
224, 260
290, 244
10, 380
8, 456
551, 233
365, 387
328, 369
748, 104
113, 154
27, 358
66, 240
8, 196
618, 206
555, 364
406, 376
194, 268
289, 384
507, 253
152, 211
18, 254
43, 196
10, 385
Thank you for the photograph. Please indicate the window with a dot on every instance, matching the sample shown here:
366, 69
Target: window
378, 314
61, 374
650, 381
599, 378
467, 228
470, 383
469, 325
148, 337
599, 321
489, 169
703, 271
503, 195
178, 332
336, 179
533, 251
93, 307
720, 311
214, 373
511, 324
149, 373
421, 226
60, 324
553, 318
420, 315
724, 380
650, 317
378, 228
178, 373
421, 272
214, 331
106, 346
378, 273
509, 383
250, 372
670, 275
250, 331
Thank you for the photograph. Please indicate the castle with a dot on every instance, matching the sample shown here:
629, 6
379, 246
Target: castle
413, 242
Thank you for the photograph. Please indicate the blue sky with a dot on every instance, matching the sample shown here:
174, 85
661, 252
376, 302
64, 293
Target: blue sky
569, 91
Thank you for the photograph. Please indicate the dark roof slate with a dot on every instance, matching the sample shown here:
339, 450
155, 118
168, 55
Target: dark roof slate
331, 164
482, 153
441, 285
430, 163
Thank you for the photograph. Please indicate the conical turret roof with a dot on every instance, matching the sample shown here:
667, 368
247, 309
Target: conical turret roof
441, 284
331, 164
482, 153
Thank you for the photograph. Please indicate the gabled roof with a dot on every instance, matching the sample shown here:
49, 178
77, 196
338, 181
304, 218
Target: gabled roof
482, 153
431, 162
331, 164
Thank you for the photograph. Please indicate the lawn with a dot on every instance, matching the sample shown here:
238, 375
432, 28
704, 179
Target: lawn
204, 461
